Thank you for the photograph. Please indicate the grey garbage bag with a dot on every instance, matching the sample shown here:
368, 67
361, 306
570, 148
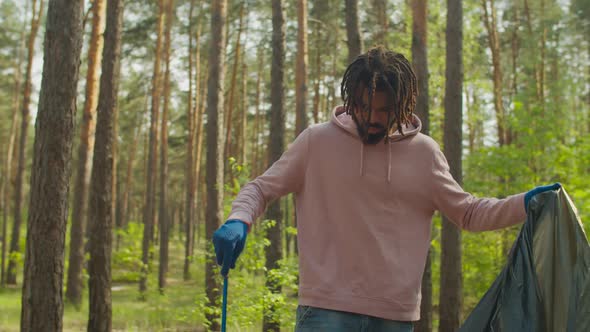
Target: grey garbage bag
545, 285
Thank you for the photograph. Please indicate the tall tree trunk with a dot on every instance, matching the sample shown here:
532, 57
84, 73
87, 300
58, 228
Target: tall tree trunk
22, 148
494, 44
353, 33
190, 185
276, 147
163, 218
450, 303
75, 284
214, 212
42, 297
101, 205
301, 70
232, 88
420, 62
150, 202
10, 149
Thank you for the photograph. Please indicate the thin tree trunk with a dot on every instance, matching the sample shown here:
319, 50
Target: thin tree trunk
214, 211
380, 10
450, 303
42, 293
129, 178
244, 120
75, 284
101, 204
257, 125
420, 61
190, 185
353, 34
19, 190
232, 87
10, 149
318, 78
301, 71
163, 218
494, 44
276, 146
150, 203
198, 157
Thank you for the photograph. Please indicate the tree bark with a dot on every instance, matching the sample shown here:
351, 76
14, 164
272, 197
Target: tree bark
163, 212
450, 303
101, 206
244, 120
150, 203
214, 211
22, 148
420, 62
42, 297
353, 34
75, 284
276, 147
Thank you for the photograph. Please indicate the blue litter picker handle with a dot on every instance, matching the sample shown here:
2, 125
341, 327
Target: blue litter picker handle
224, 305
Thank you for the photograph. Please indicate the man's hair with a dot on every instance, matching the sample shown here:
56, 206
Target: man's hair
381, 70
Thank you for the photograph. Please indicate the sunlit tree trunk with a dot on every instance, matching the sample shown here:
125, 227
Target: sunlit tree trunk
214, 211
85, 154
42, 293
450, 302
276, 146
101, 215
163, 211
25, 119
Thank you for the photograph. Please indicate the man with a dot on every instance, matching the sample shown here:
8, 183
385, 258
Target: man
367, 184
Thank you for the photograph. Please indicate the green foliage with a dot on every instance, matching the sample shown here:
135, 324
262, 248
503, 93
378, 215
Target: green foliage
126, 262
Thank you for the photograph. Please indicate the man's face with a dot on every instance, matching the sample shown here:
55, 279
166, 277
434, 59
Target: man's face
372, 129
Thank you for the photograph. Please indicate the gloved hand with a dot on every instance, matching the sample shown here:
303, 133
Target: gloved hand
538, 190
229, 241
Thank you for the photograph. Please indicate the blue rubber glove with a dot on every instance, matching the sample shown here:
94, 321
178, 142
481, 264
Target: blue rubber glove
538, 190
229, 241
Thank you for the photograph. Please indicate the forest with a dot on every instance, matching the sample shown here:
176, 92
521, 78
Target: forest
131, 125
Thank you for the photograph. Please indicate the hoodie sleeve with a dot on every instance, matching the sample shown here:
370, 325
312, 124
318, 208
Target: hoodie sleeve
283, 177
466, 211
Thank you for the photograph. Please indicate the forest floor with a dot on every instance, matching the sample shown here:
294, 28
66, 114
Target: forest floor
173, 311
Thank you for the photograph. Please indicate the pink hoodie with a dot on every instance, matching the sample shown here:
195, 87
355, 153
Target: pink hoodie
364, 214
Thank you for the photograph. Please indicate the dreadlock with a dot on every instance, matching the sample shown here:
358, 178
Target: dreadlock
381, 70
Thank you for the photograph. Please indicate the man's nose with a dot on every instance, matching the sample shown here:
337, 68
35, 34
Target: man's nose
378, 117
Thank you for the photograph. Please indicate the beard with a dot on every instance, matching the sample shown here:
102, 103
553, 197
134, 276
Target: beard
371, 138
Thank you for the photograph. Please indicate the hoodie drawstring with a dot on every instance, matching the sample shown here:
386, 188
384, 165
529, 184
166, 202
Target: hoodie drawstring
362, 158
389, 162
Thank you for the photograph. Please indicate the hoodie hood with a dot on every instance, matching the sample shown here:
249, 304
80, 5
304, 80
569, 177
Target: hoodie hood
345, 121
